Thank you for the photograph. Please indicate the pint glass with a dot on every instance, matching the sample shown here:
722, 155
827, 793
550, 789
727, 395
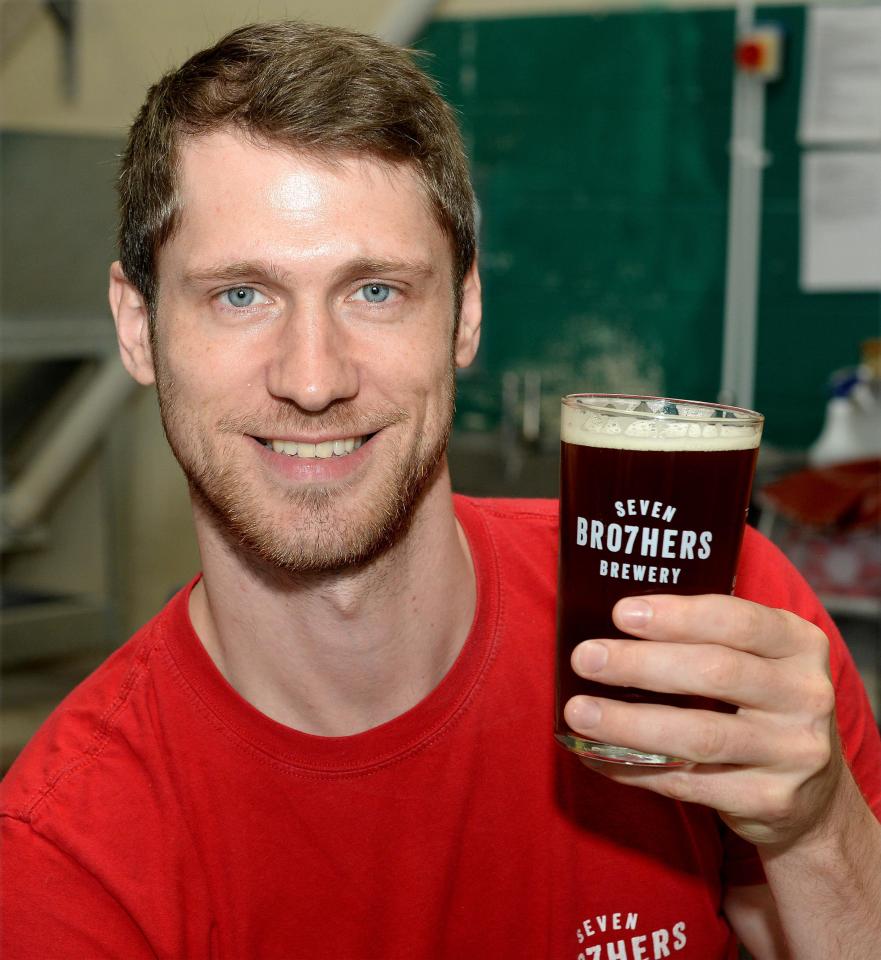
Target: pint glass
653, 499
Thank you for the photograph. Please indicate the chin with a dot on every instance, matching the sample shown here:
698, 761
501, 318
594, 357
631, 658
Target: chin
318, 530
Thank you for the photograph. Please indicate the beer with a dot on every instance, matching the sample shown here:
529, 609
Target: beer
653, 499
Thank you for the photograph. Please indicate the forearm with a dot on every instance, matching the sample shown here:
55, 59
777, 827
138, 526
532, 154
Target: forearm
827, 885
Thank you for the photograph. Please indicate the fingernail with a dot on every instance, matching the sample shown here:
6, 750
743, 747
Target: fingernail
590, 657
584, 713
633, 613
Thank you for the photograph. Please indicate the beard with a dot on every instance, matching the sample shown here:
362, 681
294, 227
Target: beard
312, 529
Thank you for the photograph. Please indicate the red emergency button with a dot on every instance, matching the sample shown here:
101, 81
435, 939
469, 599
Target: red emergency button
760, 51
749, 54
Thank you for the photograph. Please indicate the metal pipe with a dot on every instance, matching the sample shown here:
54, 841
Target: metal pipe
406, 21
748, 159
74, 436
531, 425
510, 435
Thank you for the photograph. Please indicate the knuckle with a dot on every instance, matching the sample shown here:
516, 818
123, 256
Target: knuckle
753, 625
815, 752
818, 696
723, 672
817, 640
709, 740
708, 610
676, 785
812, 638
786, 618
786, 621
774, 801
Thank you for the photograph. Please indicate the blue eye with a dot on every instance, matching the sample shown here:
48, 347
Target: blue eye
376, 292
240, 296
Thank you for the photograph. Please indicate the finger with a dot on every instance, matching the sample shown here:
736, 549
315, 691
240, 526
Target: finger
712, 618
723, 788
759, 807
701, 736
706, 670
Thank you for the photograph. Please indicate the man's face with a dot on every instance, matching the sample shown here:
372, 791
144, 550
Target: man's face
304, 352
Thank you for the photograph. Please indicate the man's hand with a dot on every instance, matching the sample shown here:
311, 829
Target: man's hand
771, 769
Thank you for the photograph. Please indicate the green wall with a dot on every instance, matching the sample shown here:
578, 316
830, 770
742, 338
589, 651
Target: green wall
599, 151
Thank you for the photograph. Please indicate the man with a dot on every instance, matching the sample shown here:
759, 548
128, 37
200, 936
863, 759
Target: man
336, 742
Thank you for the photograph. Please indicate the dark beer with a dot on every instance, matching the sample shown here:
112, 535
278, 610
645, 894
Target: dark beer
658, 505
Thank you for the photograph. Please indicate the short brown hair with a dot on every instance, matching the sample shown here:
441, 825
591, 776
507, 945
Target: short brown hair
320, 89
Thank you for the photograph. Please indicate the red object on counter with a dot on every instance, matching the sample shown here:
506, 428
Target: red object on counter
846, 496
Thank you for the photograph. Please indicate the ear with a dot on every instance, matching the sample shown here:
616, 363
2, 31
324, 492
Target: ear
468, 334
132, 326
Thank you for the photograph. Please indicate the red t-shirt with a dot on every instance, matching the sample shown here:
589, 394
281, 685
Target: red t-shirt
158, 814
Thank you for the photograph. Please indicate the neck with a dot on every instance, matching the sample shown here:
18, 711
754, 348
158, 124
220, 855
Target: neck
334, 654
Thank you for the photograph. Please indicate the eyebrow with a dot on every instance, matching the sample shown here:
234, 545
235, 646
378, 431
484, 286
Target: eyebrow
368, 267
231, 272
359, 267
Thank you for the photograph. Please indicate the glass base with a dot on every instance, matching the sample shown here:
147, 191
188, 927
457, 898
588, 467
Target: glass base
592, 750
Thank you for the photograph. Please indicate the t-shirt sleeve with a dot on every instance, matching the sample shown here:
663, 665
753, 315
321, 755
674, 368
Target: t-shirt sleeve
766, 576
51, 907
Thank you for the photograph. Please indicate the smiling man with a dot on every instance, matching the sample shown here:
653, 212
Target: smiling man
308, 322
322, 294
336, 741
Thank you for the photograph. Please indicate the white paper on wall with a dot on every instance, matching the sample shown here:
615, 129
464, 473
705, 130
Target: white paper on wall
841, 220
841, 85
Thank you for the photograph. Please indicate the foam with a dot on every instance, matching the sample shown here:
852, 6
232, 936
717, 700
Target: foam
589, 428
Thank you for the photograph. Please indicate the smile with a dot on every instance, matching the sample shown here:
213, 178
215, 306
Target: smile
315, 451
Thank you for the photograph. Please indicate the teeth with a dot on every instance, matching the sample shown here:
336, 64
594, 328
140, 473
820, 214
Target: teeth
323, 450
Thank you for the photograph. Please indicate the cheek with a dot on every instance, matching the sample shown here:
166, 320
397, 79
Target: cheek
422, 375
426, 359
208, 373
194, 348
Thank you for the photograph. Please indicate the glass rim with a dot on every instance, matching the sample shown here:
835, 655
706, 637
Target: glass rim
742, 415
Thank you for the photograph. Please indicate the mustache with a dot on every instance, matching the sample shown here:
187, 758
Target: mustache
343, 419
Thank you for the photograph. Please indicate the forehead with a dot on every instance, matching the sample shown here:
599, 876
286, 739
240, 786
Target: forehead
240, 198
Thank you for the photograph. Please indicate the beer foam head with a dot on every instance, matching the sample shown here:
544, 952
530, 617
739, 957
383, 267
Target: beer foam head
653, 423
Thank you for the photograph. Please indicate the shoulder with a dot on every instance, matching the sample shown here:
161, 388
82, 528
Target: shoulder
517, 539
503, 512
530, 524
765, 575
73, 751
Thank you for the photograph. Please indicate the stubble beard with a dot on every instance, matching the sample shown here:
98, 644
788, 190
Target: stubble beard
310, 530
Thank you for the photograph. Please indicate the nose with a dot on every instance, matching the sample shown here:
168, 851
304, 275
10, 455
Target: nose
312, 362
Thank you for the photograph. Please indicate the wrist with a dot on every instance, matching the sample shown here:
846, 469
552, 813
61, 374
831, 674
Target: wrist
843, 831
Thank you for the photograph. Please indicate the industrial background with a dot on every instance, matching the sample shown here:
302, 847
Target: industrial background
599, 139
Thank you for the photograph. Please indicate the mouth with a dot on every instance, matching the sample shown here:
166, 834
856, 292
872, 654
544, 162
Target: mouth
324, 450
